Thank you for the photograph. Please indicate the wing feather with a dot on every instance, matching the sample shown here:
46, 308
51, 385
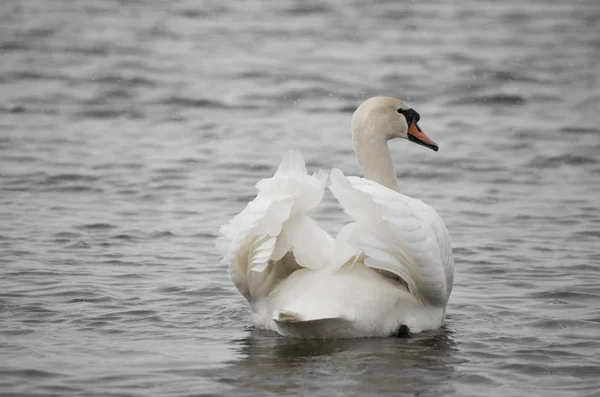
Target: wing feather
397, 234
256, 243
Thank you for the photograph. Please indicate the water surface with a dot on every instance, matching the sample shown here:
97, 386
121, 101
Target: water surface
130, 130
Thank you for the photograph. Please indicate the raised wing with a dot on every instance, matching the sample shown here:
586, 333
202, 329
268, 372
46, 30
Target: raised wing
399, 236
272, 237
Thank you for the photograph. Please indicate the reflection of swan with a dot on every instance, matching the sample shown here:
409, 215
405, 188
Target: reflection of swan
390, 269
292, 350
268, 364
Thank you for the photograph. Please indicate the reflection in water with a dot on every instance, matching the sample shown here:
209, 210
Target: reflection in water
346, 366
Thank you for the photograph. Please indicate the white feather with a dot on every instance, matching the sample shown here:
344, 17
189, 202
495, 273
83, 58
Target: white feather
402, 238
391, 266
272, 225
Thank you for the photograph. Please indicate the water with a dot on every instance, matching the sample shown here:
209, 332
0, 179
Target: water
130, 130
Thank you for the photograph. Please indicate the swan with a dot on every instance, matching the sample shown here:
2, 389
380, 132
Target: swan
389, 272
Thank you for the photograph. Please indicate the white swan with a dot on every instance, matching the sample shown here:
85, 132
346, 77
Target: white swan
389, 272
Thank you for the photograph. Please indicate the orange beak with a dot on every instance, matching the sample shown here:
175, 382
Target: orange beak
417, 136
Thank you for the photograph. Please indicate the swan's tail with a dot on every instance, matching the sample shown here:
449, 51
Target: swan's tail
292, 325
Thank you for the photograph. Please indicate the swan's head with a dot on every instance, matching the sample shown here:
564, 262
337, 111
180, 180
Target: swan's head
388, 118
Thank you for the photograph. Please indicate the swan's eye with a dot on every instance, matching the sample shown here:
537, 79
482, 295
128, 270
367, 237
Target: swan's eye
410, 115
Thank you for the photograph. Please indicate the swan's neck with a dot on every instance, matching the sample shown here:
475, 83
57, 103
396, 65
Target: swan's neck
375, 160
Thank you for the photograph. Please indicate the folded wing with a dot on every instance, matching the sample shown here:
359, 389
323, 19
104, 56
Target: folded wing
272, 237
401, 237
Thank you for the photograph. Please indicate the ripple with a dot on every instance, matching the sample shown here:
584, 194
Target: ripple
580, 130
16, 332
110, 113
308, 9
73, 189
59, 178
96, 226
565, 295
491, 100
194, 102
123, 80
163, 234
79, 245
15, 109
31, 373
101, 299
137, 313
14, 46
124, 237
557, 161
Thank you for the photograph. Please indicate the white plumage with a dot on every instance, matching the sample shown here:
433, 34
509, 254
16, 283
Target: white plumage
391, 266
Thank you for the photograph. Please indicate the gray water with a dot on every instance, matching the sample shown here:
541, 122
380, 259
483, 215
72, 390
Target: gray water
130, 130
